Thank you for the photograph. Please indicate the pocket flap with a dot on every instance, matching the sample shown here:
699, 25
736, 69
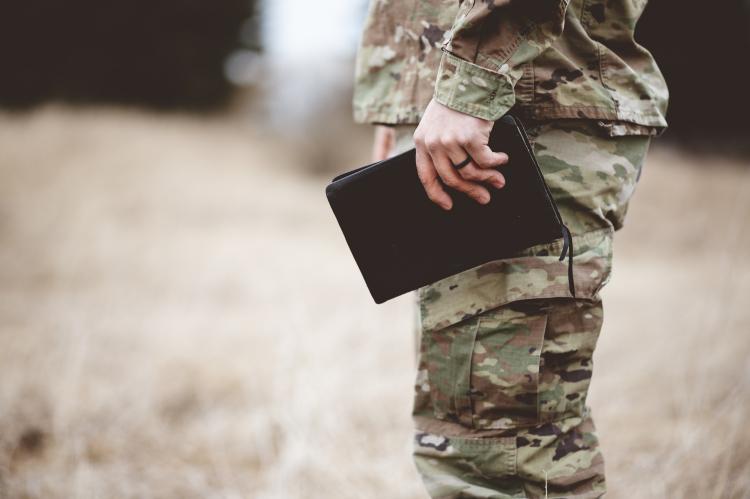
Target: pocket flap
535, 273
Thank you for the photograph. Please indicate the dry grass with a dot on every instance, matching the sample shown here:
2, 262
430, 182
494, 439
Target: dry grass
180, 318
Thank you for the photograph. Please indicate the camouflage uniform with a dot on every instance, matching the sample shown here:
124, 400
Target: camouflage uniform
505, 355
547, 59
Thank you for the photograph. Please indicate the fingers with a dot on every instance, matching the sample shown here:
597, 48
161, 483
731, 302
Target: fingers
481, 153
446, 137
429, 178
471, 172
489, 176
451, 178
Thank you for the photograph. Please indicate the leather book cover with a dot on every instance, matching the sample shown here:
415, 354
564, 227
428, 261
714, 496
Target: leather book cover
402, 241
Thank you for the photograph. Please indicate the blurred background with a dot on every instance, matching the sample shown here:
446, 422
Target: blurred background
180, 317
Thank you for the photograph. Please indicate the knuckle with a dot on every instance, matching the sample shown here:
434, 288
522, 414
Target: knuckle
432, 143
484, 161
469, 174
474, 138
483, 176
447, 139
425, 179
452, 182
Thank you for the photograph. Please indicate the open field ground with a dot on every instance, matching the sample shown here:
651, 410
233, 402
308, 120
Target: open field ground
179, 318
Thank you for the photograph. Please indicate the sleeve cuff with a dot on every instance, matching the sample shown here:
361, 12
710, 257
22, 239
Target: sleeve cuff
472, 89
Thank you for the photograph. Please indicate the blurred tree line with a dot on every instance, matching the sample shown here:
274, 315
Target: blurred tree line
702, 49
170, 53
159, 53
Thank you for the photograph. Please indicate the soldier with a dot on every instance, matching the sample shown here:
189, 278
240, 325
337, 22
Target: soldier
505, 354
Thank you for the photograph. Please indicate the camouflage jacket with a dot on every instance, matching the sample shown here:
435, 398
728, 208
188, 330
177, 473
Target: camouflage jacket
546, 59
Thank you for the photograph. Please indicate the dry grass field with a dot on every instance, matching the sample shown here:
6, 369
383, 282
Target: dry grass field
179, 318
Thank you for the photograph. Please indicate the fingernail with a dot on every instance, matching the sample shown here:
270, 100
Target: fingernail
484, 199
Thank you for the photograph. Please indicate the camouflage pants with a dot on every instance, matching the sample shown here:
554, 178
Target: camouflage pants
505, 355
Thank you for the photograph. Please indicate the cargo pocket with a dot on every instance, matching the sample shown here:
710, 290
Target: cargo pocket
567, 358
447, 361
505, 366
482, 336
468, 467
483, 373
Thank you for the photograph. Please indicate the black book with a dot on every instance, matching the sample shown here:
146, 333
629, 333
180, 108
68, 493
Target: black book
402, 241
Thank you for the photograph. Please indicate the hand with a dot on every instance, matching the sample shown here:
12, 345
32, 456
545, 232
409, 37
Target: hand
385, 139
446, 137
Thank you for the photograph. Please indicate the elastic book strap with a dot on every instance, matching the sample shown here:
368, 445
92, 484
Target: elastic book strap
567, 249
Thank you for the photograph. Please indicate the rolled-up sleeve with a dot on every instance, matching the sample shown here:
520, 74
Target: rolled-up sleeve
489, 44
